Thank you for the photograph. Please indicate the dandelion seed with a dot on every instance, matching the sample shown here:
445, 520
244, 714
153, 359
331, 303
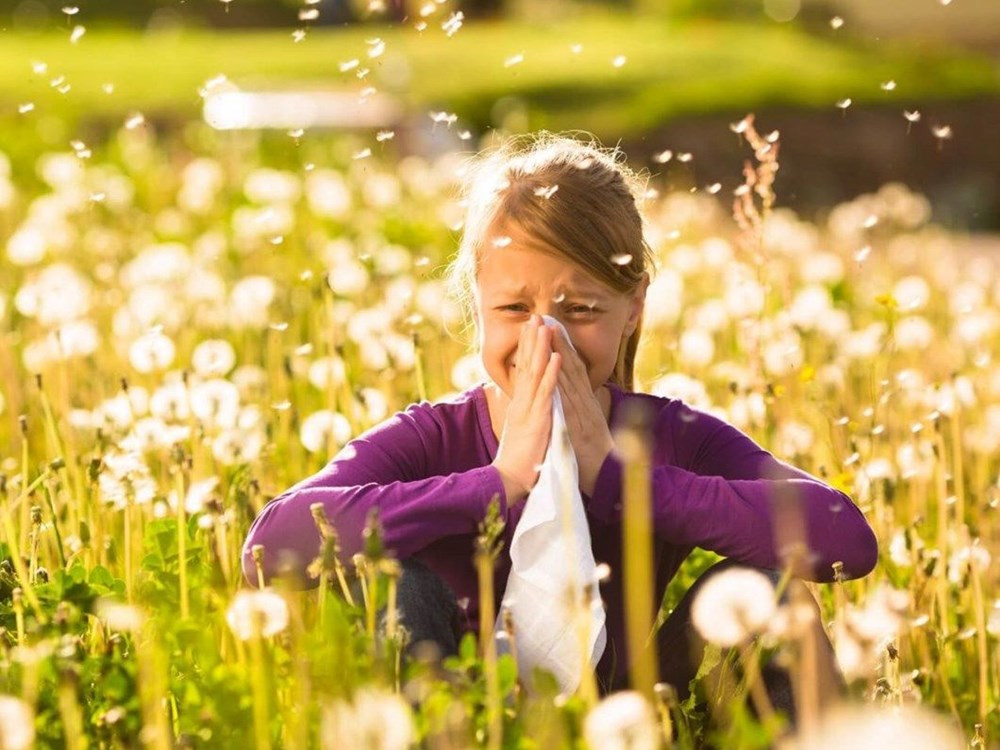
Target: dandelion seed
546, 191
502, 241
25, 108
70, 10
427, 9
663, 157
376, 47
622, 259
945, 2
453, 24
684, 157
464, 135
134, 121
298, 35
257, 613
862, 254
384, 135
363, 73
888, 85
57, 81
349, 65
714, 188
367, 92
362, 154
308, 14
836, 22
576, 49
77, 34
942, 132
870, 221
619, 61
514, 60
39, 68
844, 103
420, 25
447, 118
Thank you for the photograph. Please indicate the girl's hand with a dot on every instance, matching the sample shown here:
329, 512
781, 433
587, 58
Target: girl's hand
528, 420
588, 428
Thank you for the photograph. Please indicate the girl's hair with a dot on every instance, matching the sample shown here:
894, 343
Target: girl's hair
575, 197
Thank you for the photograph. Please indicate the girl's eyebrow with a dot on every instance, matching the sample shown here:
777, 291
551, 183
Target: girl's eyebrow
565, 293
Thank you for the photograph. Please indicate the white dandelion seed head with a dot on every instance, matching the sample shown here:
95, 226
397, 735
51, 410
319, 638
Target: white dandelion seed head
696, 348
870, 727
622, 721
151, 352
17, 724
120, 616
213, 358
261, 613
373, 719
328, 194
733, 605
321, 428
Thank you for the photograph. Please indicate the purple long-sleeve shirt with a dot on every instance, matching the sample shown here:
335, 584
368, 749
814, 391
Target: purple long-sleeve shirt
428, 471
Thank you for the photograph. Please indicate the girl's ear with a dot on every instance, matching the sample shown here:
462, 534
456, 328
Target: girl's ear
636, 305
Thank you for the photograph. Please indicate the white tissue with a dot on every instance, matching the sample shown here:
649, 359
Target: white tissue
552, 566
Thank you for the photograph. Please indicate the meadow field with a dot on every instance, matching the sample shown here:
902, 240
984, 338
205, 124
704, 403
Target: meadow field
187, 333
192, 320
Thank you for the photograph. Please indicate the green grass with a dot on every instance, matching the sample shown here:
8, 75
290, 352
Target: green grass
671, 69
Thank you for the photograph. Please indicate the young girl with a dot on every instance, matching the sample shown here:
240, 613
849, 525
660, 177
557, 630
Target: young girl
552, 228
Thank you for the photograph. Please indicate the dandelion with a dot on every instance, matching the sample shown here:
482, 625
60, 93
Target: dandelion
622, 721
373, 720
213, 358
119, 616
151, 351
17, 724
320, 427
733, 605
259, 613
870, 728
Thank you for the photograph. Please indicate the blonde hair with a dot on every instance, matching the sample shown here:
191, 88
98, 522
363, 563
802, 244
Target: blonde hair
575, 197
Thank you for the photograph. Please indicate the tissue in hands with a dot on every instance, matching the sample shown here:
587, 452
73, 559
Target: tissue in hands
552, 587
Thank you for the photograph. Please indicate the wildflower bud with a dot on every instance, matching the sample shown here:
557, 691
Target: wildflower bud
36, 515
22, 422
390, 567
3, 484
38, 380
360, 564
838, 571
94, 470
124, 384
374, 549
257, 551
319, 517
41, 575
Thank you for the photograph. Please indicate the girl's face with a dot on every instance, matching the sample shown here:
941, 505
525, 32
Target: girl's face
525, 278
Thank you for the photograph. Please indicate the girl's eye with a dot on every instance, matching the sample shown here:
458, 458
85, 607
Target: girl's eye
515, 308
581, 310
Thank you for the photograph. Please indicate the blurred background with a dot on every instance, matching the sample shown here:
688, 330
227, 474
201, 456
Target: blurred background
863, 93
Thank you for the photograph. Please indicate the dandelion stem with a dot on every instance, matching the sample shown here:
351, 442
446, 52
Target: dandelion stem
182, 546
638, 561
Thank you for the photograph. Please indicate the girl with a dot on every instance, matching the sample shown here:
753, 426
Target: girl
552, 228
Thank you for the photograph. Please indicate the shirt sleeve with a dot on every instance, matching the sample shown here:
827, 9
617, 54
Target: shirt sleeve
725, 493
388, 468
